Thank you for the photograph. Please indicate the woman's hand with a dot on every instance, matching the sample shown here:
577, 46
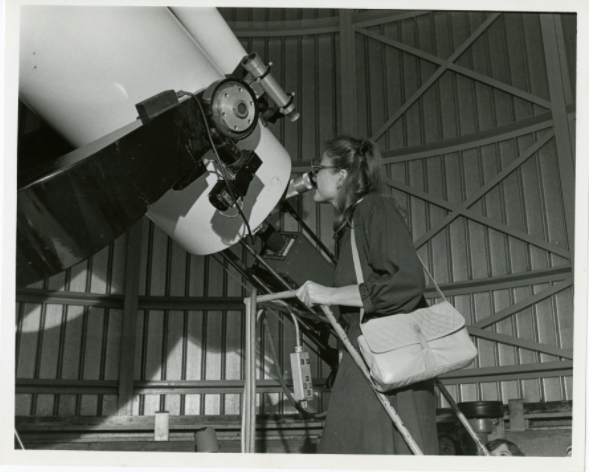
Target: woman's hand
311, 293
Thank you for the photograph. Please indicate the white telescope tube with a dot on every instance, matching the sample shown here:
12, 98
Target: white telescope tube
83, 69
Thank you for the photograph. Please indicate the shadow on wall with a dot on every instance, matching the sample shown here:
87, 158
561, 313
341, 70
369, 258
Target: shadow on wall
84, 343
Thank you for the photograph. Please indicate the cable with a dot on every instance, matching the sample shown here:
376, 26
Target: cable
301, 314
279, 305
300, 409
220, 164
275, 360
217, 174
297, 331
268, 306
281, 320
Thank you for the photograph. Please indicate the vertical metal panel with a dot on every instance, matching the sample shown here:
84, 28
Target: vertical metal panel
534, 213
153, 356
395, 88
91, 356
79, 276
535, 57
139, 371
412, 79
499, 69
524, 329
494, 204
195, 353
326, 75
309, 96
546, 333
176, 270
506, 354
562, 135
514, 51
112, 346
109, 405
30, 327
70, 355
569, 40
233, 352
514, 212
171, 360
158, 281
66, 405
58, 281
214, 336
439, 244
44, 405
117, 275
48, 355
100, 276
92, 353
552, 203
127, 321
144, 266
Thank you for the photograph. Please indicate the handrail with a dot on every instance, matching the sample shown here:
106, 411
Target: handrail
359, 361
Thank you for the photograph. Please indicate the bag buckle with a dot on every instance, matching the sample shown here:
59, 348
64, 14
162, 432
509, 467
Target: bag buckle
428, 355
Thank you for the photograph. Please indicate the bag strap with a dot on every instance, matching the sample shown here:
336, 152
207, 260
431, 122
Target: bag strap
432, 279
358, 268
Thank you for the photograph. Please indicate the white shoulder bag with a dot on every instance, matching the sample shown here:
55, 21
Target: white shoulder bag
411, 347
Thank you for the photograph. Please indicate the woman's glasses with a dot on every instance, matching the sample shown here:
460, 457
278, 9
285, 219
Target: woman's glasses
316, 166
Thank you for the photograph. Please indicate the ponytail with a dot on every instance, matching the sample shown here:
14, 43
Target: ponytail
363, 162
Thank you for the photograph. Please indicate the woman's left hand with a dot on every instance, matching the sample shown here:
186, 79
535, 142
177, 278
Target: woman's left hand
311, 293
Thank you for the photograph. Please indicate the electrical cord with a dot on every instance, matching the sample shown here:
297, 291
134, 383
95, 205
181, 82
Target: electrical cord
220, 164
291, 399
275, 359
271, 308
298, 338
300, 313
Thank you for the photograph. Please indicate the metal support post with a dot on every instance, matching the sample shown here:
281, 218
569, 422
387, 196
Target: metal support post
462, 418
248, 430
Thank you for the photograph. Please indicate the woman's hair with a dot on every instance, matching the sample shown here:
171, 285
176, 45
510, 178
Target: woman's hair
512, 447
362, 160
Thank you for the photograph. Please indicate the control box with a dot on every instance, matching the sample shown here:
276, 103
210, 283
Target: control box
301, 376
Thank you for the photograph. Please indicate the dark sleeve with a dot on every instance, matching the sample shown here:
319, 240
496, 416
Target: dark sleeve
394, 281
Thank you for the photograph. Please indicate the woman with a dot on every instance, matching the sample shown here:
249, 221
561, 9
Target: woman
349, 177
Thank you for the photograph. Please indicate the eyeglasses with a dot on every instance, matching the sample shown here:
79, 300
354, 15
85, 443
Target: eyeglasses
316, 166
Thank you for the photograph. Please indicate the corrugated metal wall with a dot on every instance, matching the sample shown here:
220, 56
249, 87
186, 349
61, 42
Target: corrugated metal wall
509, 51
200, 345
190, 344
81, 340
529, 200
74, 341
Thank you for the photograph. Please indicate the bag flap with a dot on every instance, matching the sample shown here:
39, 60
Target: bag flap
388, 333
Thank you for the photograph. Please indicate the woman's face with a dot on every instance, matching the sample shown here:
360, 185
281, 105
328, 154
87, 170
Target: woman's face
329, 180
